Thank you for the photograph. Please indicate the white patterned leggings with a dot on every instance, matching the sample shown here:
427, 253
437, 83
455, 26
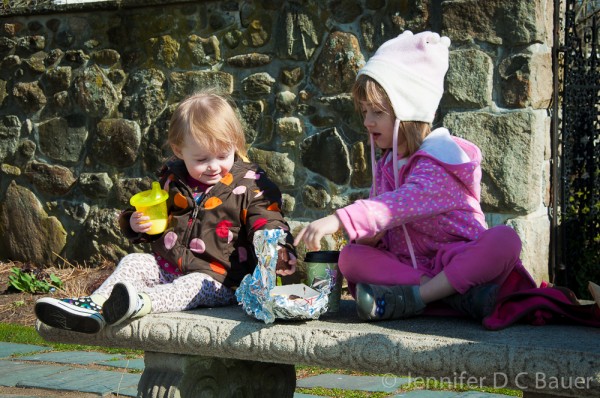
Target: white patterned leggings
167, 291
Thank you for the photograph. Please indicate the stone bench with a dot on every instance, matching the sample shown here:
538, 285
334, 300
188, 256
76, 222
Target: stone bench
225, 351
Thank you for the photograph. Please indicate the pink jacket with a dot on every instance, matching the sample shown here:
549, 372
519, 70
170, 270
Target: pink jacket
437, 200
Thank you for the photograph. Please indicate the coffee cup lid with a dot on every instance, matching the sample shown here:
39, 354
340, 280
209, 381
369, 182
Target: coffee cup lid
323, 256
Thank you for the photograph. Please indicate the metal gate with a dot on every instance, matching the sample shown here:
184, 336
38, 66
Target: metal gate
576, 145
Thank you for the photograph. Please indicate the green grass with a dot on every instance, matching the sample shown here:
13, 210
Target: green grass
12, 333
418, 383
430, 384
337, 393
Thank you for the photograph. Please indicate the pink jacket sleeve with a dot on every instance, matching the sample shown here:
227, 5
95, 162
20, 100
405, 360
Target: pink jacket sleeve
428, 190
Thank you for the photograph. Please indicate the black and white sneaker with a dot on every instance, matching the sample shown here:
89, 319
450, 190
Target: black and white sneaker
79, 314
122, 303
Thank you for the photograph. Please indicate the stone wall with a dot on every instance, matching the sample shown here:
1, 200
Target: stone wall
86, 93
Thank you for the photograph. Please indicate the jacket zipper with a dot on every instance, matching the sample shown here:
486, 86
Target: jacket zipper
192, 218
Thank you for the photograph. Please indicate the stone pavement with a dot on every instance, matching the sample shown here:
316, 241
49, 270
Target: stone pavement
30, 371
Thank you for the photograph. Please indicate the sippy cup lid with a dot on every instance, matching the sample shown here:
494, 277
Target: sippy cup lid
149, 198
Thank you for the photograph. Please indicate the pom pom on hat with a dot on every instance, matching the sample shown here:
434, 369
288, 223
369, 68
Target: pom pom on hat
411, 70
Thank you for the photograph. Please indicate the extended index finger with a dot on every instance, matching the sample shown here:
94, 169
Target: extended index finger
299, 236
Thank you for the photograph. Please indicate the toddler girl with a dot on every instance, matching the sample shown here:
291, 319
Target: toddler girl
217, 201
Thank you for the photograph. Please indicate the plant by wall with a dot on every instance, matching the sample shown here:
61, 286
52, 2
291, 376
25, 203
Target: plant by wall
33, 280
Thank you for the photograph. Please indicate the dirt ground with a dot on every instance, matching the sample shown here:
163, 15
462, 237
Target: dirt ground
17, 307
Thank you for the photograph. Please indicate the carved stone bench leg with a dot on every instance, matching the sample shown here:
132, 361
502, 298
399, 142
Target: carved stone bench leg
182, 376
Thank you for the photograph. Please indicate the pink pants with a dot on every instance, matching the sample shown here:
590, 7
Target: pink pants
490, 259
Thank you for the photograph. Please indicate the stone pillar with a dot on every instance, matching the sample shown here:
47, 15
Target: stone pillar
177, 376
498, 89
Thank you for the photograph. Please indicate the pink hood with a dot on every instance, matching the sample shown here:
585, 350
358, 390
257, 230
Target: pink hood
436, 202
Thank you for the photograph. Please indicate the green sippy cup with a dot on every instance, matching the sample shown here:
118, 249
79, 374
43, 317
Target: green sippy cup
153, 203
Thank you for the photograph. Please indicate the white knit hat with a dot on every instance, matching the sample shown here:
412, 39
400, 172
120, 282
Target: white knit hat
411, 70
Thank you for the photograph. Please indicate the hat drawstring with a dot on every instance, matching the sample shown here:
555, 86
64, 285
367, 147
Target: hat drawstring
395, 153
396, 182
373, 166
410, 247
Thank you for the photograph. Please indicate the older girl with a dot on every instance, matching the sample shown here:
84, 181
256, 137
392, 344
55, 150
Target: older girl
421, 236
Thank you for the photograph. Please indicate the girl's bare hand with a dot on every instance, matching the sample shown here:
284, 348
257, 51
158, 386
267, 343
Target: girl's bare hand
312, 234
139, 222
286, 262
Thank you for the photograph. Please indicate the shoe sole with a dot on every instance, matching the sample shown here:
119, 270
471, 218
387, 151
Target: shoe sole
61, 315
119, 306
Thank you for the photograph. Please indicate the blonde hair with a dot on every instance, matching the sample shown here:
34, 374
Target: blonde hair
211, 120
367, 89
